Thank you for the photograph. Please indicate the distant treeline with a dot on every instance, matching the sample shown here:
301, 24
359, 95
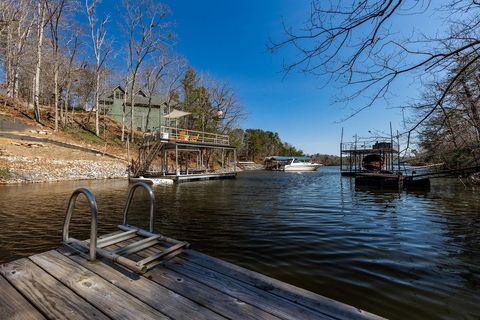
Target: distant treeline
256, 144
326, 159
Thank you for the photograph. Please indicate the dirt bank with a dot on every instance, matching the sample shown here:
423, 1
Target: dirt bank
30, 153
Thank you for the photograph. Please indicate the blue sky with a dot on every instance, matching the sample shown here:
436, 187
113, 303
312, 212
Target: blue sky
228, 40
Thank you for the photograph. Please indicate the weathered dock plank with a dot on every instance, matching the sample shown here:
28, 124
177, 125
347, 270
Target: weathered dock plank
259, 298
295, 294
217, 301
301, 299
115, 302
159, 297
190, 285
275, 305
47, 294
211, 298
14, 306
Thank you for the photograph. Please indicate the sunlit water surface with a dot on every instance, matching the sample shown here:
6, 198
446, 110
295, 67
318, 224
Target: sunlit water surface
400, 255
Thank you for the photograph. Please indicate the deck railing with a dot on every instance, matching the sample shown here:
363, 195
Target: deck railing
180, 134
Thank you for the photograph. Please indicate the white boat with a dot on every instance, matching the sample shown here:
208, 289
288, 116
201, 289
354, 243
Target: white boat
298, 166
153, 181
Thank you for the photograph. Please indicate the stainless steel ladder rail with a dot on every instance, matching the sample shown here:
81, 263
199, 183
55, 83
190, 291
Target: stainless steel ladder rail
96, 246
93, 224
131, 192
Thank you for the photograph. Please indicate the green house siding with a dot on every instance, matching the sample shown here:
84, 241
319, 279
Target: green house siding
113, 106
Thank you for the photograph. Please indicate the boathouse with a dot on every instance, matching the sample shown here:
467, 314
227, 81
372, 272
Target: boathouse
362, 156
180, 154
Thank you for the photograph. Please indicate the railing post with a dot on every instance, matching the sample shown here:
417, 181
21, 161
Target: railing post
131, 192
94, 221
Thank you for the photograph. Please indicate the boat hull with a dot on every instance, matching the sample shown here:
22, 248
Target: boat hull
302, 167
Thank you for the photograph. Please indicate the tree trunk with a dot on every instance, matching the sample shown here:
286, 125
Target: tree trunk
55, 89
36, 89
97, 89
473, 107
132, 107
15, 80
9, 64
149, 110
67, 98
123, 113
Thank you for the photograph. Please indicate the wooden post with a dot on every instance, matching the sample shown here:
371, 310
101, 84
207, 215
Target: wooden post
223, 158
355, 152
128, 158
391, 146
176, 160
341, 147
398, 150
235, 160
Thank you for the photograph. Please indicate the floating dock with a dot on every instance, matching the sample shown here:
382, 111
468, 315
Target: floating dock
137, 274
380, 180
170, 179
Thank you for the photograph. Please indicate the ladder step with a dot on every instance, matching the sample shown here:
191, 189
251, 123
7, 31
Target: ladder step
162, 254
105, 242
138, 246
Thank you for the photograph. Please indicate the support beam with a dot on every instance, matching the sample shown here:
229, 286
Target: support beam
177, 172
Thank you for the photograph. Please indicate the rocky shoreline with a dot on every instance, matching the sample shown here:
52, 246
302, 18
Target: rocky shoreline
18, 169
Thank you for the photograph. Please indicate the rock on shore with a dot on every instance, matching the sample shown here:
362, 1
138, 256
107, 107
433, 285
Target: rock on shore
27, 169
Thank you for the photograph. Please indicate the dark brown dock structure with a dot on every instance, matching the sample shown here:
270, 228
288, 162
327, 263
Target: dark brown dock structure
183, 155
138, 274
353, 156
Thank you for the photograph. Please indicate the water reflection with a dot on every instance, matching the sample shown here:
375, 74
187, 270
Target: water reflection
398, 254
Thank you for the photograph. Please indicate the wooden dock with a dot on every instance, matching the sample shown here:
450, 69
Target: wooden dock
168, 179
138, 274
62, 284
380, 180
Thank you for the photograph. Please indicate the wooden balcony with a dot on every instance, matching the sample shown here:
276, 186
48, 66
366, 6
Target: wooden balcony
172, 134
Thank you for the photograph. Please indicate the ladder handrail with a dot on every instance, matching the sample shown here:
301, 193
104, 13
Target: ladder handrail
92, 202
131, 192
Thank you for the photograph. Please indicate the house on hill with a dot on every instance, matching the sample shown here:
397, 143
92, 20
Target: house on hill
112, 104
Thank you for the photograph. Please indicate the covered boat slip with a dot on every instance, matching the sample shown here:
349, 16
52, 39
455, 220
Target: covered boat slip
357, 157
184, 155
277, 163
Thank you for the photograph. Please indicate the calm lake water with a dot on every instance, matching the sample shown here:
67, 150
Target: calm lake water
400, 255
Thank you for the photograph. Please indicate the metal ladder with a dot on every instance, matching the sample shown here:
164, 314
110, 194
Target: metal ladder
95, 246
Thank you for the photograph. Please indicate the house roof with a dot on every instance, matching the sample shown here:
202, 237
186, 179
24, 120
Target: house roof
140, 97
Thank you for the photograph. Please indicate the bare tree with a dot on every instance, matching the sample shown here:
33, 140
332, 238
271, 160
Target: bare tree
16, 22
146, 34
163, 77
72, 49
41, 21
452, 132
55, 10
101, 49
354, 43
152, 76
226, 108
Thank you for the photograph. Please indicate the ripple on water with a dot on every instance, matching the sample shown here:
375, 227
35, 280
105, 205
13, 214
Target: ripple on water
400, 255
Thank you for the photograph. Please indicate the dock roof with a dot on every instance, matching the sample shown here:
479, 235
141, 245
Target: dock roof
288, 158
